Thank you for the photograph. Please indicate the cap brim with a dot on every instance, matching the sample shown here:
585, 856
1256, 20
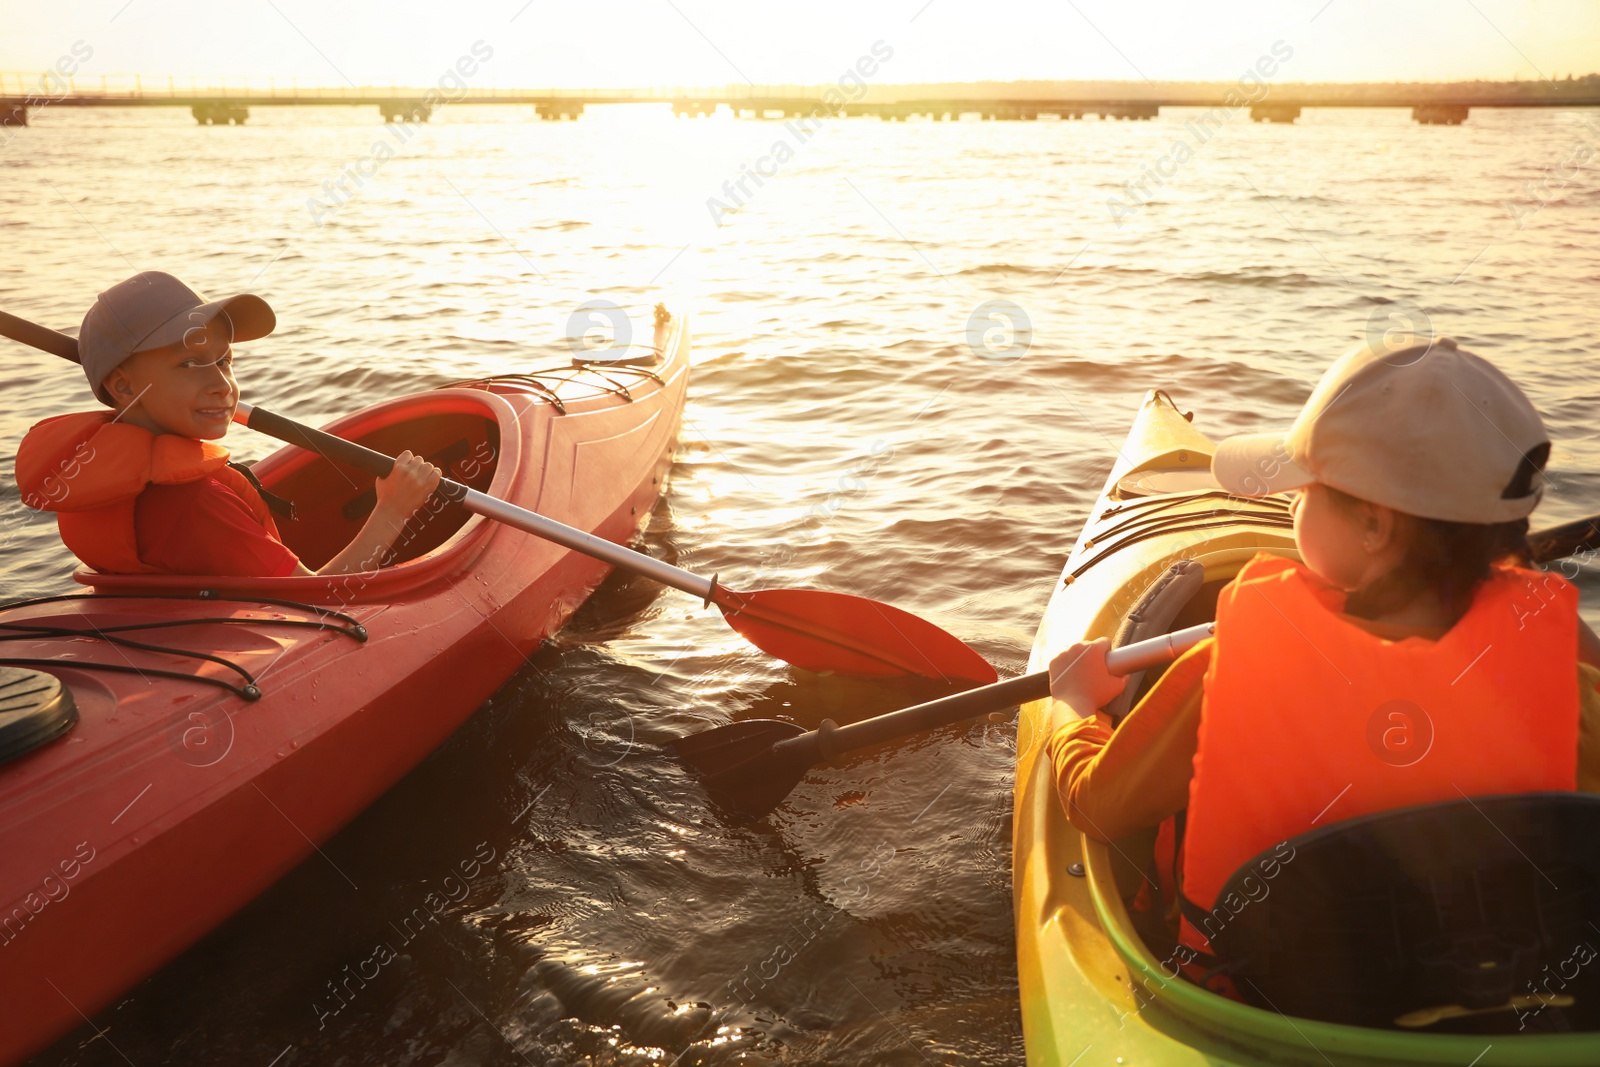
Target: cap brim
250, 315
1255, 464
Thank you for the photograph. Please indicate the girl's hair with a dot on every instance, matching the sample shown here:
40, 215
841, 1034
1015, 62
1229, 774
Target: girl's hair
1449, 558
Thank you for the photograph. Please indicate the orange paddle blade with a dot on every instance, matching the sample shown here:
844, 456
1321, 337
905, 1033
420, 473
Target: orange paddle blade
837, 632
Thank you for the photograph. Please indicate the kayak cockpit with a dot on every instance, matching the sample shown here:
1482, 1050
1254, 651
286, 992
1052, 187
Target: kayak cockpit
473, 435
333, 501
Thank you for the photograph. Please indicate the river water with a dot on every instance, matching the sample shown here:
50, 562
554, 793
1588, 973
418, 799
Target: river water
836, 406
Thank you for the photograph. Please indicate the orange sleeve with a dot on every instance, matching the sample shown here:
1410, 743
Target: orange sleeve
1113, 783
1588, 729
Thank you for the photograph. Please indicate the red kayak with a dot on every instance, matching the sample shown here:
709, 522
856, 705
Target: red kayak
227, 726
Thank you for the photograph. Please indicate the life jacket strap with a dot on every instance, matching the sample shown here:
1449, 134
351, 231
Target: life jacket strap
279, 506
1196, 917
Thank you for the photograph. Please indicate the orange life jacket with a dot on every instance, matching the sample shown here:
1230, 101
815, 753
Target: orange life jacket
1308, 719
90, 471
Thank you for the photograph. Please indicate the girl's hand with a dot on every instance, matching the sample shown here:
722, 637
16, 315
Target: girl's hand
1080, 680
407, 487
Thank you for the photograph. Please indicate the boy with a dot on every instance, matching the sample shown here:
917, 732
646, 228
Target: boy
145, 490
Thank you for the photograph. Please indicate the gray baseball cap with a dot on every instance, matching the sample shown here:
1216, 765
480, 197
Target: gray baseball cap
153, 309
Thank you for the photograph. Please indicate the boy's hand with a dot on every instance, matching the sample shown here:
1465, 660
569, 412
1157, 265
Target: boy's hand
407, 487
1080, 680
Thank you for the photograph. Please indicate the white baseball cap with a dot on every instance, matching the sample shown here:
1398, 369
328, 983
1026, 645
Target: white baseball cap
1428, 428
153, 309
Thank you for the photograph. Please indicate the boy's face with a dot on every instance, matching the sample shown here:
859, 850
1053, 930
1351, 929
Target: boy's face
186, 388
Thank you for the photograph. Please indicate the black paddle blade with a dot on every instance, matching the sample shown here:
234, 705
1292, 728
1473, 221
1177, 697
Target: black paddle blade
721, 747
1558, 542
740, 769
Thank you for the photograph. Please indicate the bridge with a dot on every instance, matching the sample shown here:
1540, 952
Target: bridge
224, 104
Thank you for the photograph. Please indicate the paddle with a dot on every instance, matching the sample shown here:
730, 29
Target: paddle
809, 628
749, 767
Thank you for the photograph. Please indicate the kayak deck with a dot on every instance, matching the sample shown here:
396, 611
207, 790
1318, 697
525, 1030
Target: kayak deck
1092, 991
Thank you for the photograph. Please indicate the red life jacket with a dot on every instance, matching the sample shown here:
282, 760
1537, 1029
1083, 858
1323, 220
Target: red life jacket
1307, 719
90, 471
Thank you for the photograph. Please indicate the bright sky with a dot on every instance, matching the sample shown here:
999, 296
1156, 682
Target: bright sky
710, 42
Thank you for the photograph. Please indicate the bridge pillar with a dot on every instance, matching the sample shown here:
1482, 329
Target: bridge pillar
405, 111
1274, 112
1440, 114
13, 114
219, 114
1136, 112
566, 109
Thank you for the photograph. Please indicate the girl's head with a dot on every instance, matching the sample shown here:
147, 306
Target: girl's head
1415, 470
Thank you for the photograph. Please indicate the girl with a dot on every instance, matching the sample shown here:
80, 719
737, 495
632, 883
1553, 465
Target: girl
1410, 657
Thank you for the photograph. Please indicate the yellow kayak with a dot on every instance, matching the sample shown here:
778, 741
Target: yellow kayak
1092, 992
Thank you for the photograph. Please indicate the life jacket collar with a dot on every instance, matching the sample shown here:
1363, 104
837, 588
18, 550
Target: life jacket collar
88, 459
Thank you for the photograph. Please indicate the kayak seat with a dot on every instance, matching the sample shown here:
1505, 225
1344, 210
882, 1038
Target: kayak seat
1479, 915
1179, 598
1150, 617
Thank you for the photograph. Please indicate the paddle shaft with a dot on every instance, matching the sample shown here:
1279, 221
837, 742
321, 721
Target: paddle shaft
810, 628
41, 337
339, 450
830, 741
1568, 539
1546, 546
